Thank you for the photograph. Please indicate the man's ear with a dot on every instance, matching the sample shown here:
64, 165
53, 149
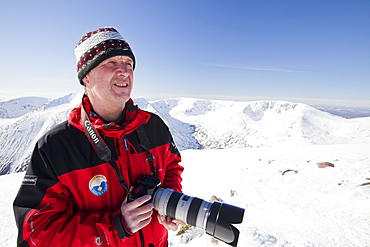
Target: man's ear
85, 80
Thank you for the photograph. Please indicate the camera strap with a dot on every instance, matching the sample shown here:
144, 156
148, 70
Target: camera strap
100, 147
145, 144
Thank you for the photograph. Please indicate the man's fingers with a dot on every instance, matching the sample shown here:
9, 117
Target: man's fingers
139, 201
137, 214
179, 222
161, 219
169, 223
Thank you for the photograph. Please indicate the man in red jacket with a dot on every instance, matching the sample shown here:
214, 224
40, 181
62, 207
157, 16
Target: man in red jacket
75, 189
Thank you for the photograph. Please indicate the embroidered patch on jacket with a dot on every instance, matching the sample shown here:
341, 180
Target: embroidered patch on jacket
29, 180
98, 185
98, 241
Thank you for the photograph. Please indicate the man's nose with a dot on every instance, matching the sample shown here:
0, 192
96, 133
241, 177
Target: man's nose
122, 69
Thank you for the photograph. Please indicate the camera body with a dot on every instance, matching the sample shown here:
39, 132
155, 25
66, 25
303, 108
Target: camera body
215, 218
146, 185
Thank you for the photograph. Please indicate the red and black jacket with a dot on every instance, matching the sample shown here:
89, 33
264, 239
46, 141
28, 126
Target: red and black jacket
70, 197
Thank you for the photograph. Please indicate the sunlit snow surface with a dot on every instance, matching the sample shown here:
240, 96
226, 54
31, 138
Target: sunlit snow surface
265, 153
307, 206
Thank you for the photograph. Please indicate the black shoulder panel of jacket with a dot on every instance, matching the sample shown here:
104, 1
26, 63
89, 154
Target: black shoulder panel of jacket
65, 144
158, 134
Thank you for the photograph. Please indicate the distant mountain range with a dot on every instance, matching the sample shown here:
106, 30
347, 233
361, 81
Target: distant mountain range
194, 123
346, 112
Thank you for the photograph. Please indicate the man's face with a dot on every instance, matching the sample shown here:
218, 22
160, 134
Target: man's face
111, 81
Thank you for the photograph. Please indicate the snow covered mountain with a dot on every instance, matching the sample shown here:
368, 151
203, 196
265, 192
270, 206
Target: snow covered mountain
262, 156
23, 122
194, 123
225, 124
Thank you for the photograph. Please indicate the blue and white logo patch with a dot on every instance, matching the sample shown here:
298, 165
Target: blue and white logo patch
98, 185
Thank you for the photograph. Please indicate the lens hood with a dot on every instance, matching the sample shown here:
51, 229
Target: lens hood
220, 220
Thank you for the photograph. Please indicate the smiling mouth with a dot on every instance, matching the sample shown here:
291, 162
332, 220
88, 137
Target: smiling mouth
121, 84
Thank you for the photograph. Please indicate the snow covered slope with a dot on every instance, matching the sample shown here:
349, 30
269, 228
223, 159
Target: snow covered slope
19, 134
306, 206
194, 123
226, 124
269, 167
17, 107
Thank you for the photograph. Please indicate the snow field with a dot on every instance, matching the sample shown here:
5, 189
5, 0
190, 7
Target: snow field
306, 206
264, 153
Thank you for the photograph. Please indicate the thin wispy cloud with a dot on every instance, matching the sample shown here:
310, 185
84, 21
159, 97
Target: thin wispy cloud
229, 66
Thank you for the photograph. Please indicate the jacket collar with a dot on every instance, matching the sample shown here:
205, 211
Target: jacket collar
133, 117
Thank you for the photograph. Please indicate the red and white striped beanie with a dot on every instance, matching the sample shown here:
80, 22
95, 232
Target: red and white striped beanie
98, 45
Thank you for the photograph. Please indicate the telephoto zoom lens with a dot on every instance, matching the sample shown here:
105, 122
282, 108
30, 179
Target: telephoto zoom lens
215, 218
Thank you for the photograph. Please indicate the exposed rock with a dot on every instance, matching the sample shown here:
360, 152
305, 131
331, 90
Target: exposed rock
367, 183
325, 164
289, 170
215, 199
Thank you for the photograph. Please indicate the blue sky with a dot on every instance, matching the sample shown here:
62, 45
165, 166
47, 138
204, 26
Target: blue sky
315, 52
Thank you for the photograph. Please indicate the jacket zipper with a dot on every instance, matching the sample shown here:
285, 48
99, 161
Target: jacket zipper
125, 142
126, 147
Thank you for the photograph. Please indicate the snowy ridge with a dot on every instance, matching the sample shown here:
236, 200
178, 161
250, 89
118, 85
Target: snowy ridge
17, 107
18, 135
227, 124
194, 124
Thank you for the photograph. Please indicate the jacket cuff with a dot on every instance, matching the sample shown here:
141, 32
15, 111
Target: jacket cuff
121, 229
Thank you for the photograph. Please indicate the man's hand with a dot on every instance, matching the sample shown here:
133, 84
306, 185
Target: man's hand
169, 223
135, 214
